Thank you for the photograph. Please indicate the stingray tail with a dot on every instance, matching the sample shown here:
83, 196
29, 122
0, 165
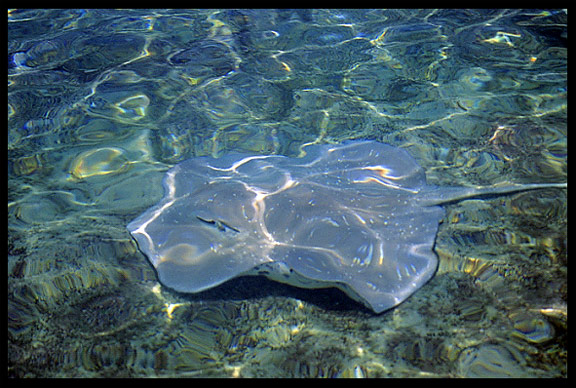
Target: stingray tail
443, 195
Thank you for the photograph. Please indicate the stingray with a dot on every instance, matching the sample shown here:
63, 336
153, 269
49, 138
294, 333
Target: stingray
357, 216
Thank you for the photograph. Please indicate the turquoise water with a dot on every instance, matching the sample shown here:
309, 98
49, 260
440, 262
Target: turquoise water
102, 102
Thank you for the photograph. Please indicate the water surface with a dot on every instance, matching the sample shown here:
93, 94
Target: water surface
102, 102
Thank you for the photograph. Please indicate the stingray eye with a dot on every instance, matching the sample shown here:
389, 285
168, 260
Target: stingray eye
206, 221
218, 224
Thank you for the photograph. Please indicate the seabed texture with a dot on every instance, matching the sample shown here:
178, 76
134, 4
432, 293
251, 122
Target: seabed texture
102, 102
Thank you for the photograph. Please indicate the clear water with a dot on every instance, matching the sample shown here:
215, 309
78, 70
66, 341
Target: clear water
102, 102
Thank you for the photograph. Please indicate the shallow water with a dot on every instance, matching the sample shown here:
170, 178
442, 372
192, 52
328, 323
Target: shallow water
102, 102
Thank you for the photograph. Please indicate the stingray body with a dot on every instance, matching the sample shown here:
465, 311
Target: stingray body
358, 216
